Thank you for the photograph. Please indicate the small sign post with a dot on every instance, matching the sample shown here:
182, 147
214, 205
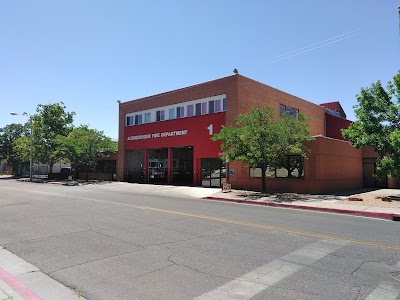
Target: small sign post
226, 187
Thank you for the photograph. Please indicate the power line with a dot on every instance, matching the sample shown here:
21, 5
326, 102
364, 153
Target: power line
317, 45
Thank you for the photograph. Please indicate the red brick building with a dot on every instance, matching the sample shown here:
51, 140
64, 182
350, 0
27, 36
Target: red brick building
165, 138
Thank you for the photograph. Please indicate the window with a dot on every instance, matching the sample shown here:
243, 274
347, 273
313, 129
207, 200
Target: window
204, 108
283, 109
138, 119
160, 115
198, 109
129, 121
211, 106
106, 166
190, 110
224, 104
171, 114
180, 112
147, 117
218, 107
291, 166
257, 172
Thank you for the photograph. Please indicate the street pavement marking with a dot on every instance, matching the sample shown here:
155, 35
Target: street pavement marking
8, 293
262, 278
17, 286
229, 221
384, 291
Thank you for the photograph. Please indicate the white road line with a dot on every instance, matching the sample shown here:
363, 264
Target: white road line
385, 291
252, 283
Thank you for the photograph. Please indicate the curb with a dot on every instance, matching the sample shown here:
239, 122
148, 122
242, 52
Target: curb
15, 284
359, 213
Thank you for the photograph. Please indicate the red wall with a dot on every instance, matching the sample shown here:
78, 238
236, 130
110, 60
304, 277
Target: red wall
335, 106
197, 134
334, 126
226, 85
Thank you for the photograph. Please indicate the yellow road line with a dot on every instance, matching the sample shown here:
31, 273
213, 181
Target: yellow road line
235, 222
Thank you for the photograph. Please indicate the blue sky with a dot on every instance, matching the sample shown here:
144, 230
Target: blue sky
90, 53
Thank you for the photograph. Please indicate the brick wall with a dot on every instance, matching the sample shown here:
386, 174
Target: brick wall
255, 94
333, 165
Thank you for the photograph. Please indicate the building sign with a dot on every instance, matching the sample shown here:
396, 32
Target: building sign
195, 132
157, 135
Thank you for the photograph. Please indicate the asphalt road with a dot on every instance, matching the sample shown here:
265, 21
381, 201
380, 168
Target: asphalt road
116, 241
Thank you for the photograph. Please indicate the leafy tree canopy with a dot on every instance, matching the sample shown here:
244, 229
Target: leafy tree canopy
9, 135
50, 122
83, 146
260, 139
378, 125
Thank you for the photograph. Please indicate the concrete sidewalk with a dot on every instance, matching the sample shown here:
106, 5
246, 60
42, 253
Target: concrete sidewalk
19, 280
330, 206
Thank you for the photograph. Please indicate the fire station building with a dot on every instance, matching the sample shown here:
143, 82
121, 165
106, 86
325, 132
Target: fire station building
166, 138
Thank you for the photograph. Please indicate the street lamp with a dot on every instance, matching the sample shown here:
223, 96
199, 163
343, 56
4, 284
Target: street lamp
398, 8
30, 140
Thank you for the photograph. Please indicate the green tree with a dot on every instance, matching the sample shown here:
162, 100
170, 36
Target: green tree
260, 139
378, 125
83, 147
50, 122
9, 135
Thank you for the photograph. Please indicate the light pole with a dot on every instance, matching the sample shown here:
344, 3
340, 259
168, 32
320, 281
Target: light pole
30, 140
398, 8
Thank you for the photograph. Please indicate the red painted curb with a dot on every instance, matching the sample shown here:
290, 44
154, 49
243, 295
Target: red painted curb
378, 215
18, 286
371, 214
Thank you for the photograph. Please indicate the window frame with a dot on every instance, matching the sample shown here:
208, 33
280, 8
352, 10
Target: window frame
289, 110
180, 112
160, 115
251, 170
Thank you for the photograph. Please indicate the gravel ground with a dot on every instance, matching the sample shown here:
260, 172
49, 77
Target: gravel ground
369, 198
374, 198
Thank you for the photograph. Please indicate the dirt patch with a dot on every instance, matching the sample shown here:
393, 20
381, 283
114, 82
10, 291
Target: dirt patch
368, 198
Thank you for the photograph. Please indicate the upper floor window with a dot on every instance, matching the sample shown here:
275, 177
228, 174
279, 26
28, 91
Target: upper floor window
171, 114
284, 109
180, 112
160, 115
218, 105
190, 110
129, 121
147, 117
211, 108
198, 109
204, 108
138, 119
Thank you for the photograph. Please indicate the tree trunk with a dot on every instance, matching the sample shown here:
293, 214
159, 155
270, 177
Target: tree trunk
51, 164
263, 169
